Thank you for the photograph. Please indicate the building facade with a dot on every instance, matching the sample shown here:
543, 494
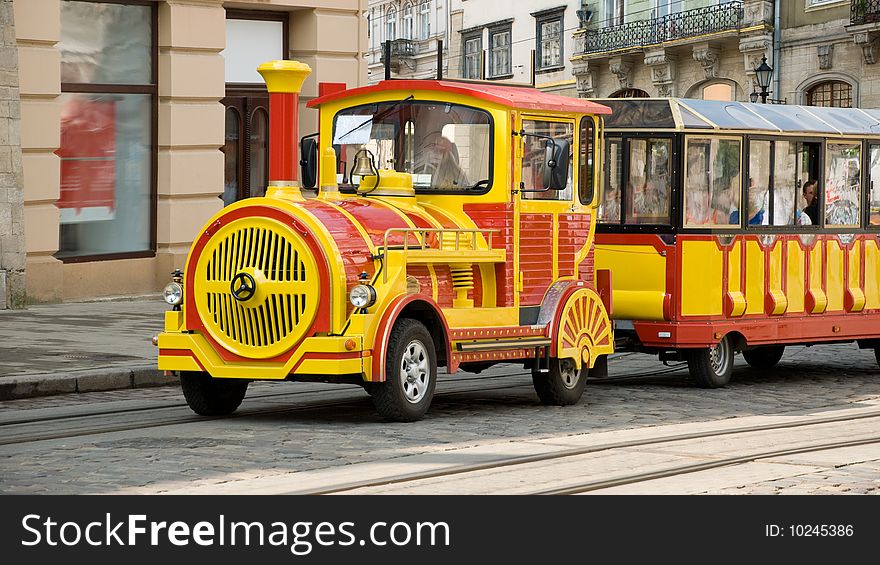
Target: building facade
416, 29
514, 42
140, 118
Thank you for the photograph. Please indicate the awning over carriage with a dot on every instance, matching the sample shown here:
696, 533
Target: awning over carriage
686, 114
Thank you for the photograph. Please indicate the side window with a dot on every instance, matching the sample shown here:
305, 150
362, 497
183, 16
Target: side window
586, 168
758, 188
648, 182
535, 159
843, 184
712, 182
609, 208
785, 184
874, 193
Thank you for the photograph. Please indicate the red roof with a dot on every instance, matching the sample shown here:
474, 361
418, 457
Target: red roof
521, 97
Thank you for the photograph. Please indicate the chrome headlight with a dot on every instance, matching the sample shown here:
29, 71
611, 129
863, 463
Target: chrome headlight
362, 296
173, 293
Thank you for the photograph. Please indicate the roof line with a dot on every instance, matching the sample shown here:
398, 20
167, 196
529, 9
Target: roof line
807, 110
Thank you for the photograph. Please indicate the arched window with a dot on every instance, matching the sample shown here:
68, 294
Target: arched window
391, 24
630, 93
835, 93
425, 19
717, 91
408, 21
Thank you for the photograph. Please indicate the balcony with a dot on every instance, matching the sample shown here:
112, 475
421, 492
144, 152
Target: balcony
645, 33
864, 12
402, 50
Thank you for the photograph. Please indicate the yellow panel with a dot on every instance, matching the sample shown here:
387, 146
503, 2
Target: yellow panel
330, 367
754, 278
834, 276
701, 277
638, 278
816, 279
178, 363
734, 270
854, 276
775, 288
795, 274
872, 275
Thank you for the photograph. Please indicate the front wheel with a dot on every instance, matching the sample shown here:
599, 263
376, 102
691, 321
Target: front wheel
410, 373
562, 385
764, 357
208, 396
711, 367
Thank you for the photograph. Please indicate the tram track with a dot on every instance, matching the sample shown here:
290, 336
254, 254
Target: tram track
524, 460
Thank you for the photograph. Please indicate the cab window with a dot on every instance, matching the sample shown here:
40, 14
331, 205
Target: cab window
535, 159
586, 153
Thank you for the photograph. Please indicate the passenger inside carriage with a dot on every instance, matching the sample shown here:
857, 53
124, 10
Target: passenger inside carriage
810, 214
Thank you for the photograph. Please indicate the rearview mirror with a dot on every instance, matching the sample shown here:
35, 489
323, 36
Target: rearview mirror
308, 161
556, 161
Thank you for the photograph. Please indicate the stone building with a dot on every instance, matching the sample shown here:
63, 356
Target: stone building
416, 29
687, 48
139, 118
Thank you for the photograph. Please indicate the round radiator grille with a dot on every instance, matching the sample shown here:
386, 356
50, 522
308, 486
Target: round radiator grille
257, 287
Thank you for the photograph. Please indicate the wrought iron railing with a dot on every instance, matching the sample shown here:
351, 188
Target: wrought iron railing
864, 11
400, 48
641, 33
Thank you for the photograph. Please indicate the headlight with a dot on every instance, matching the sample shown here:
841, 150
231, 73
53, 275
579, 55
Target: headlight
173, 293
362, 296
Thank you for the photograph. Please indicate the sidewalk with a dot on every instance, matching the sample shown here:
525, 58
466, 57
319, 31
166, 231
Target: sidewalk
80, 347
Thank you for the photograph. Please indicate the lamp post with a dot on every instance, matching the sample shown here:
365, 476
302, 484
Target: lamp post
763, 74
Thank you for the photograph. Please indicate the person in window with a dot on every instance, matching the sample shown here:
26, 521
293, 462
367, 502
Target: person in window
757, 204
436, 154
811, 211
724, 207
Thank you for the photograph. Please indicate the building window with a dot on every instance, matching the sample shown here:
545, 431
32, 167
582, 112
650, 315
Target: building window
391, 24
717, 91
614, 12
408, 22
629, 93
425, 19
473, 51
499, 52
835, 93
108, 143
549, 41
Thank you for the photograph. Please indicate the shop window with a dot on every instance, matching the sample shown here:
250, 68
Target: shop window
834, 93
842, 184
712, 182
535, 159
648, 181
108, 151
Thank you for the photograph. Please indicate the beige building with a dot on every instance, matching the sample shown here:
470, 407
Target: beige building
416, 29
138, 119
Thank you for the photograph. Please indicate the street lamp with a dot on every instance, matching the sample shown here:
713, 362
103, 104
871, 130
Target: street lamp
763, 74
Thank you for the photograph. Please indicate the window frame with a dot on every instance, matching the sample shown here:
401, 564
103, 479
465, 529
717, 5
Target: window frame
543, 17
684, 178
536, 193
424, 19
866, 183
810, 93
498, 29
477, 36
848, 228
587, 162
152, 90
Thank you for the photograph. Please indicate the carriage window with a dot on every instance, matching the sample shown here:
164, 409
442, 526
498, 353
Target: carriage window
758, 192
785, 183
444, 146
609, 208
585, 171
647, 186
713, 182
535, 159
842, 184
874, 193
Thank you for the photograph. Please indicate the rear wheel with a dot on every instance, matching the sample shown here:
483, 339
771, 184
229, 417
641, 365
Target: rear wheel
410, 373
711, 367
208, 396
562, 385
765, 356
877, 354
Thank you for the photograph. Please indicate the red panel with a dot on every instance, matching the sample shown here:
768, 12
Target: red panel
445, 294
376, 217
574, 231
511, 96
535, 256
283, 128
498, 217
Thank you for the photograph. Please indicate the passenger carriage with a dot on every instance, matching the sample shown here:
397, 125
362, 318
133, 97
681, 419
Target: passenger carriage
703, 227
453, 227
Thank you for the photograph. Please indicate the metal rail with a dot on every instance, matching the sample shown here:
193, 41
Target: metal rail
423, 246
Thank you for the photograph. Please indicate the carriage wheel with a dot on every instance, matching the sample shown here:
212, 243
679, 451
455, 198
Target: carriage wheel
563, 384
410, 373
711, 367
877, 354
208, 396
764, 357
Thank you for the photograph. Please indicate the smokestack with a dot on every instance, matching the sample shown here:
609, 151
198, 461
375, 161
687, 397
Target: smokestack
284, 81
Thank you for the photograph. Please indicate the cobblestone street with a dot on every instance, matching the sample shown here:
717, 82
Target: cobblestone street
326, 426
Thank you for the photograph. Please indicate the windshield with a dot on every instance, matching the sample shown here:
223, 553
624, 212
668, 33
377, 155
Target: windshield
444, 146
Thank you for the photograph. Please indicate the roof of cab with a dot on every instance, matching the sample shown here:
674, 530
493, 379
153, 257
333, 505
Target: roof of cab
520, 97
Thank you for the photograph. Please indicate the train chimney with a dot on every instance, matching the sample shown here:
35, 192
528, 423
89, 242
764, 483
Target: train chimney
284, 81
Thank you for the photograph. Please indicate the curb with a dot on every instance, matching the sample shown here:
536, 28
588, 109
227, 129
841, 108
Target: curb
94, 380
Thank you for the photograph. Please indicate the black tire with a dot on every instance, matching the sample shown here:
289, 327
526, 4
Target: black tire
764, 357
562, 385
410, 373
711, 367
877, 354
208, 396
